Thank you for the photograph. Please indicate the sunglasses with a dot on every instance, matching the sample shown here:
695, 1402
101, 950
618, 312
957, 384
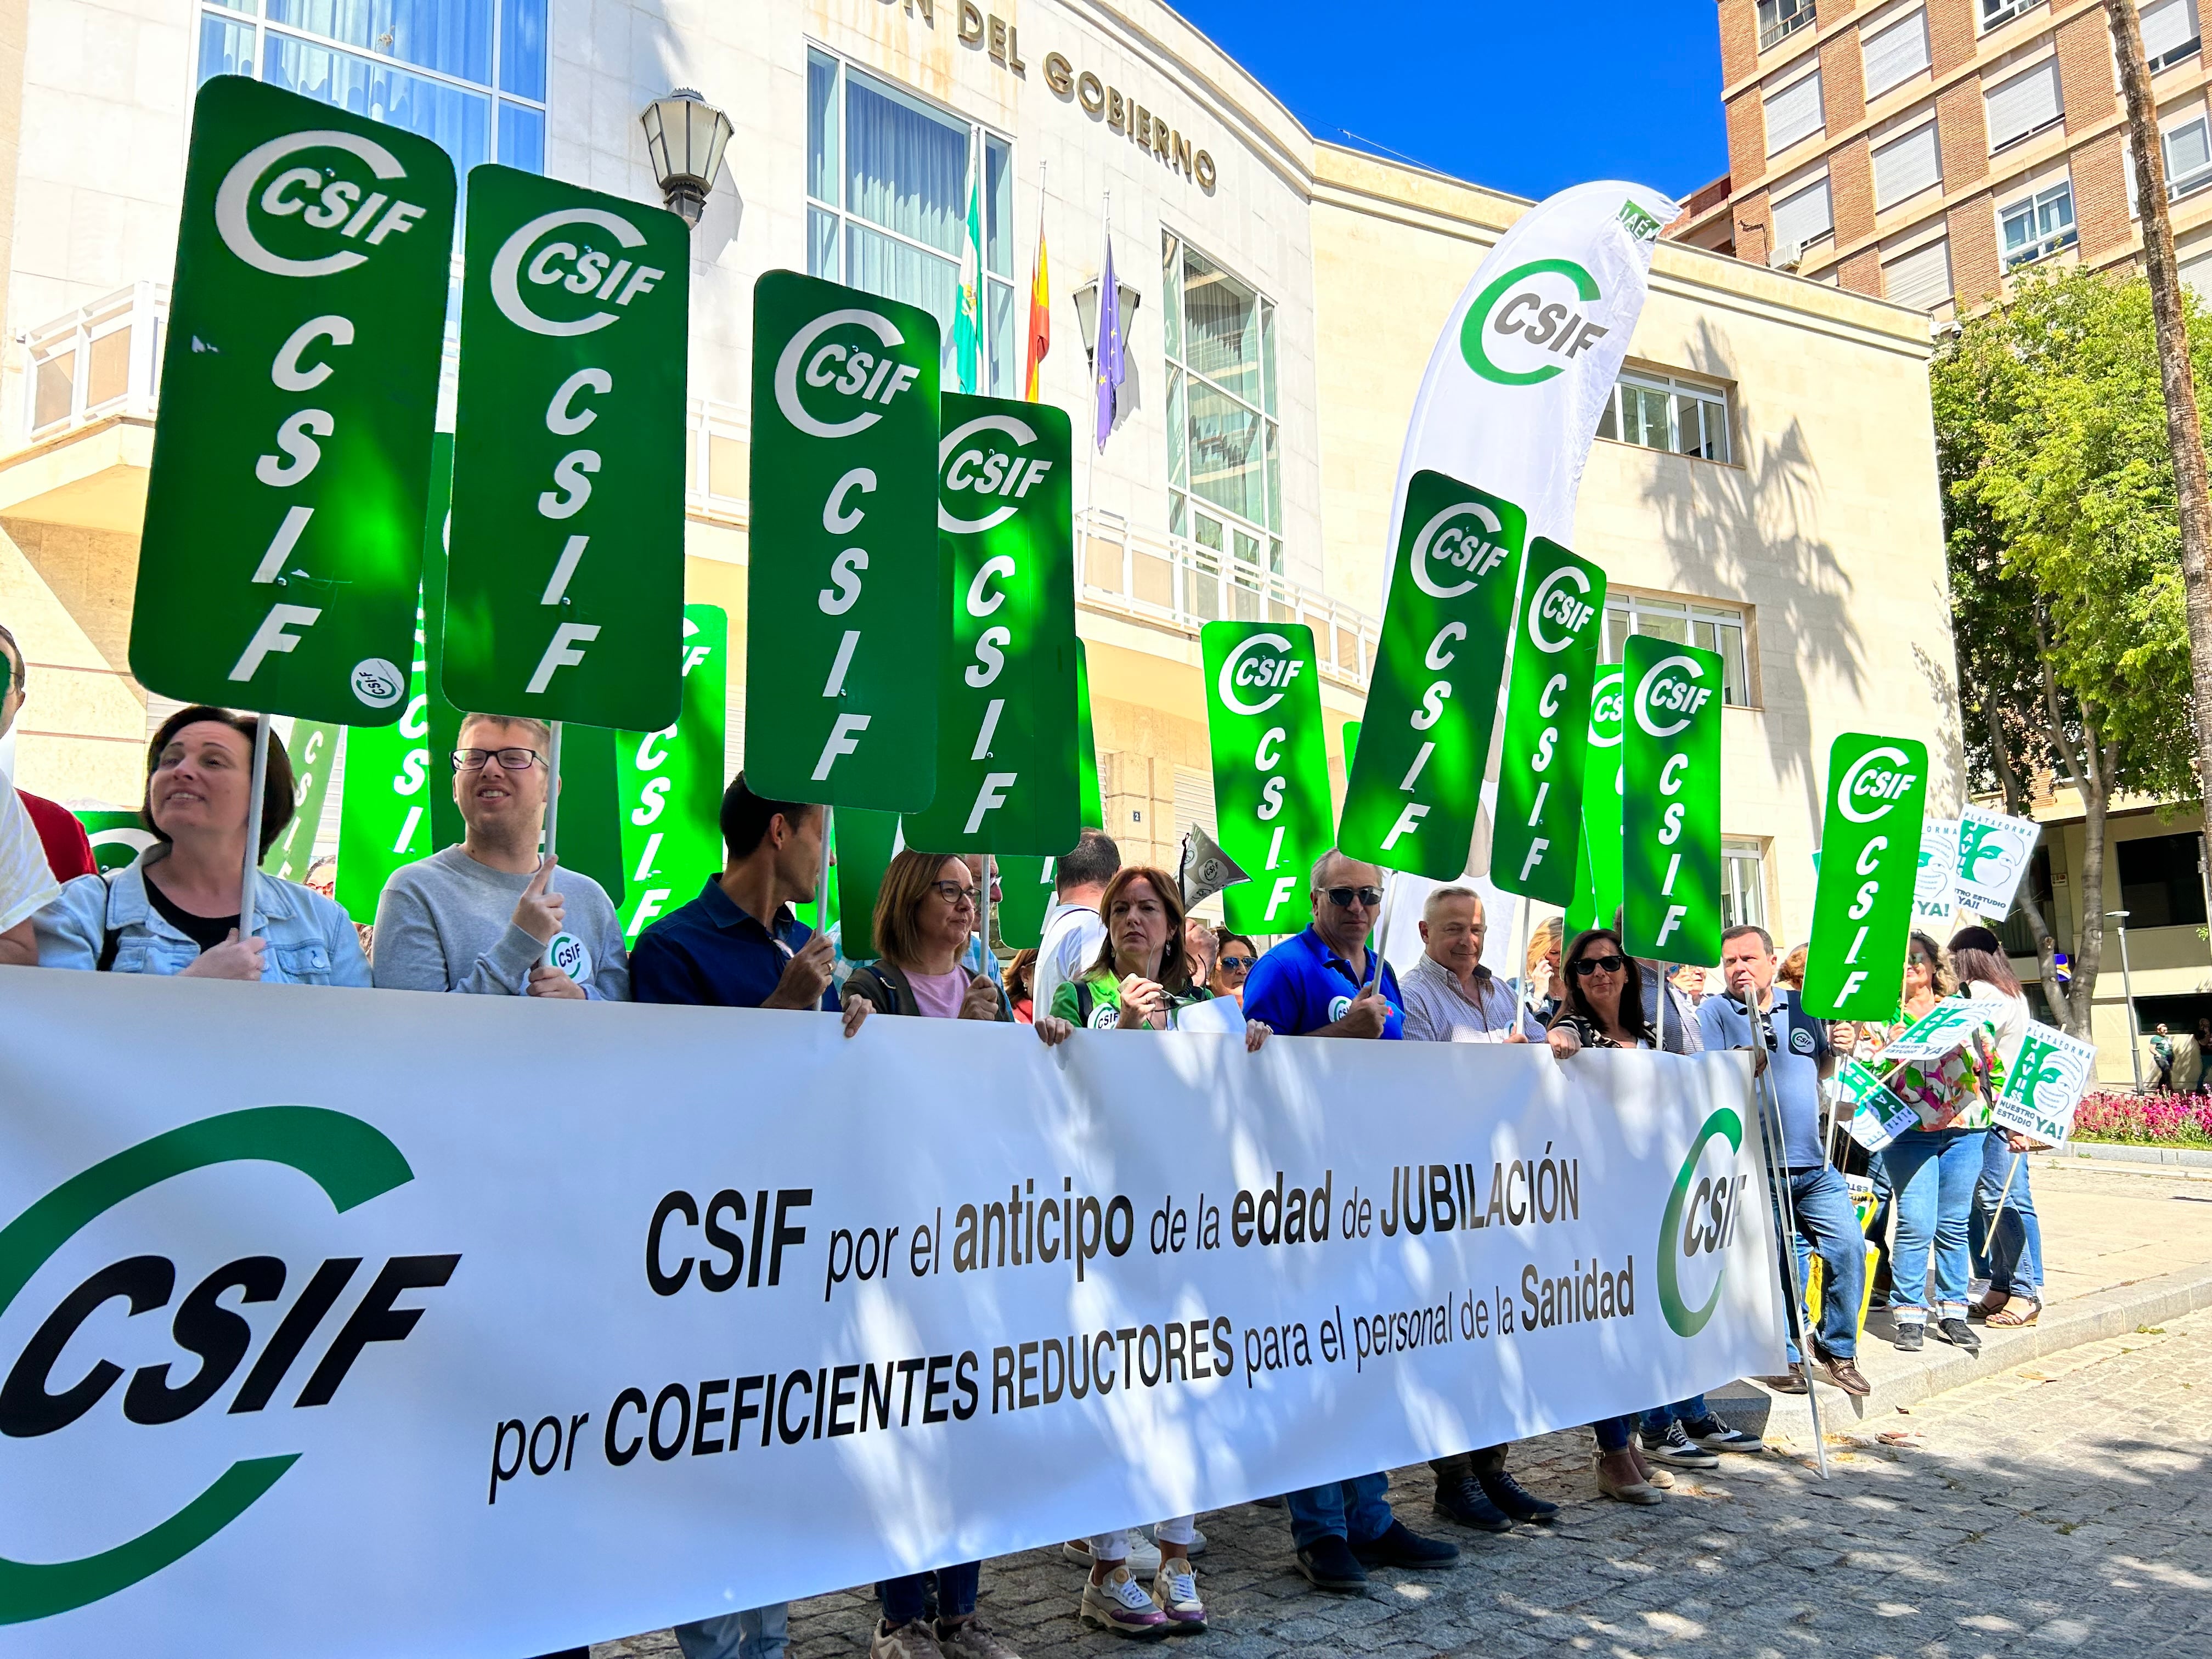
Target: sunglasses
1236, 964
1345, 897
1585, 966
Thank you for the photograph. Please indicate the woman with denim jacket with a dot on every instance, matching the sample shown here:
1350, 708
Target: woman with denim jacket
176, 910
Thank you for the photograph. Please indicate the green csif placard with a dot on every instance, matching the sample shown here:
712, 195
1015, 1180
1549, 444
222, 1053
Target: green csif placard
1597, 852
671, 781
866, 844
1869, 863
564, 582
1416, 785
1270, 767
1007, 765
283, 541
1538, 827
1670, 821
313, 749
1027, 883
843, 645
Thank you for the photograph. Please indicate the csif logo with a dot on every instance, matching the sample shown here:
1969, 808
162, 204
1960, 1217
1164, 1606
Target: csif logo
1876, 781
1552, 602
1608, 703
319, 196
1457, 541
996, 474
1670, 687
352, 1162
837, 373
1701, 1222
570, 262
1260, 662
1534, 317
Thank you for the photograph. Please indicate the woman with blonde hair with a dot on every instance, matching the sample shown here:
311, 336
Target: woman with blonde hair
1541, 983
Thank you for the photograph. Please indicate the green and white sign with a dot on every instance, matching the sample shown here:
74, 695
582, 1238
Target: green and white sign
1006, 763
118, 837
1598, 857
1869, 864
1537, 828
672, 781
1994, 851
1878, 1115
282, 540
564, 589
383, 811
1026, 883
1932, 895
313, 748
2048, 1079
866, 842
1415, 787
1671, 810
845, 636
1270, 767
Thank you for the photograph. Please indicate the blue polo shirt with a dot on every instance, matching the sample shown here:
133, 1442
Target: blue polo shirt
712, 954
1303, 985
1800, 1044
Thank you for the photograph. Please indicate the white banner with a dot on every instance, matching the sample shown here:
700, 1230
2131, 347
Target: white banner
1933, 899
343, 1322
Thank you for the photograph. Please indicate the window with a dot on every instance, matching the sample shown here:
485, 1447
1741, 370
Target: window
1995, 12
1743, 884
1710, 627
1224, 451
2024, 105
2159, 884
1906, 166
1661, 413
1799, 220
1779, 18
891, 181
2188, 157
2169, 33
2039, 226
1895, 53
1793, 114
1922, 278
469, 75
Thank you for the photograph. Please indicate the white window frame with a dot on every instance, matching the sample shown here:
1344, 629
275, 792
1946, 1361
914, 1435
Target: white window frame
1927, 131
1186, 504
1820, 112
2057, 117
1918, 19
2188, 49
1772, 34
1995, 14
2178, 185
1676, 391
1742, 857
1941, 244
1726, 629
2045, 247
1780, 255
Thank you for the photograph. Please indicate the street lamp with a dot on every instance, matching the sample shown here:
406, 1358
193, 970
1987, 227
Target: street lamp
1086, 310
685, 136
2128, 989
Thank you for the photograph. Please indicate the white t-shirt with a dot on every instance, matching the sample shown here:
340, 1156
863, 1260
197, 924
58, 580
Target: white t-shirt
1069, 943
27, 881
2011, 1030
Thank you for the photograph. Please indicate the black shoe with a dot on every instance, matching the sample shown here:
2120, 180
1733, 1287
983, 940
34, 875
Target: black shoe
1960, 1335
1328, 1564
1464, 1501
1910, 1332
1516, 1500
1403, 1548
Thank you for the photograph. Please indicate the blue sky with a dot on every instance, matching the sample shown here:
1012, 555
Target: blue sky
1523, 98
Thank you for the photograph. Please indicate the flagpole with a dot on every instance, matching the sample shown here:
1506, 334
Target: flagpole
249, 907
1098, 344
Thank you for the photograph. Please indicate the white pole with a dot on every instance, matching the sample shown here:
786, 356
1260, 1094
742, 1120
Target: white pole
1091, 438
553, 791
249, 918
1527, 937
822, 884
983, 915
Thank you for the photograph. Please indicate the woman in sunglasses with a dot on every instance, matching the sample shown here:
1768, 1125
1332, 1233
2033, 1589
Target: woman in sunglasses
1232, 966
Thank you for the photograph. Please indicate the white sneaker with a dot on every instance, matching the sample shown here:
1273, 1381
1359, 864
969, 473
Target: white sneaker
1175, 1592
1118, 1605
1144, 1558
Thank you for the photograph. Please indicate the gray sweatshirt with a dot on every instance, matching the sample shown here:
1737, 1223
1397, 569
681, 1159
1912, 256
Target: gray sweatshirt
446, 924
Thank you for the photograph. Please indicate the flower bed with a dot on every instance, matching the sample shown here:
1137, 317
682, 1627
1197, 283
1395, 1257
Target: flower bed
2145, 1120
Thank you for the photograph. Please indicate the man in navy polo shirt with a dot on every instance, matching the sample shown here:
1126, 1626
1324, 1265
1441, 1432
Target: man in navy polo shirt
1326, 982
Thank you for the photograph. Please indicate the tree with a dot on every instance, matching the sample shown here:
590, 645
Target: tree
2064, 544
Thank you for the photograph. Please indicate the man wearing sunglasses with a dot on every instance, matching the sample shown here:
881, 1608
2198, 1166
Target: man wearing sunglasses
479, 917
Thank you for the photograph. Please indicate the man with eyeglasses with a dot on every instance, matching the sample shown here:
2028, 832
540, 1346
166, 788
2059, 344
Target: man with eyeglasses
1327, 983
491, 917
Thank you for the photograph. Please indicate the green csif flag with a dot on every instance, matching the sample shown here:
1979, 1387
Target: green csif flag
313, 748
843, 646
671, 801
1007, 774
1415, 789
564, 586
1869, 863
1597, 852
865, 843
1671, 811
1270, 767
283, 543
1537, 832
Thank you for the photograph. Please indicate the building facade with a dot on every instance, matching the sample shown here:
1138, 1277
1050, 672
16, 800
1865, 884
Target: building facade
1925, 150
1764, 483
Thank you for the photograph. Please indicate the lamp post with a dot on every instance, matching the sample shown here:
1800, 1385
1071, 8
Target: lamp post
2128, 989
1086, 310
685, 136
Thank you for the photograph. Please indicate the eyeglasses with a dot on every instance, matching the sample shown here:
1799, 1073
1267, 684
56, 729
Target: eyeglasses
1344, 897
511, 760
1585, 966
953, 893
1236, 964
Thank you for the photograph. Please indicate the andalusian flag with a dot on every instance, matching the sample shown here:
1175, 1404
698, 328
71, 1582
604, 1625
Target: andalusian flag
1040, 314
968, 316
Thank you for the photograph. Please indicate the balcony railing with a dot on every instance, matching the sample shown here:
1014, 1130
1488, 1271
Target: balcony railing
1170, 579
101, 359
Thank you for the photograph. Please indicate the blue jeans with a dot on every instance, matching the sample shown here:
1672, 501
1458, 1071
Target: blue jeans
1828, 1223
1933, 1174
1693, 1410
2011, 1258
756, 1633
1613, 1432
904, 1598
1355, 1510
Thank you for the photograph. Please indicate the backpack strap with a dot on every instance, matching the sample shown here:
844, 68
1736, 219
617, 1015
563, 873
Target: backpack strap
112, 939
883, 984
1083, 1002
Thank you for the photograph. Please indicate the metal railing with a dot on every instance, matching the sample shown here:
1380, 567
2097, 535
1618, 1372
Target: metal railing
103, 358
1778, 18
1171, 580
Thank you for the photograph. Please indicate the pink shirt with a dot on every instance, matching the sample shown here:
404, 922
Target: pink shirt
939, 995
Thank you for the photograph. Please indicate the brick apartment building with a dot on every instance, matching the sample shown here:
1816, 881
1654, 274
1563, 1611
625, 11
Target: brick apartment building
1920, 149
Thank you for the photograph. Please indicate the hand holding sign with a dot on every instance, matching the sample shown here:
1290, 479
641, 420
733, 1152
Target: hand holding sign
235, 958
805, 977
1368, 1013
547, 981
538, 912
981, 1002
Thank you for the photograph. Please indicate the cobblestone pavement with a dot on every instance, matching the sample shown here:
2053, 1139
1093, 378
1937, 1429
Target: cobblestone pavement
2057, 1505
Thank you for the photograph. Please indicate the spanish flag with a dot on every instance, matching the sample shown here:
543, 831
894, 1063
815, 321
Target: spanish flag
1040, 315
